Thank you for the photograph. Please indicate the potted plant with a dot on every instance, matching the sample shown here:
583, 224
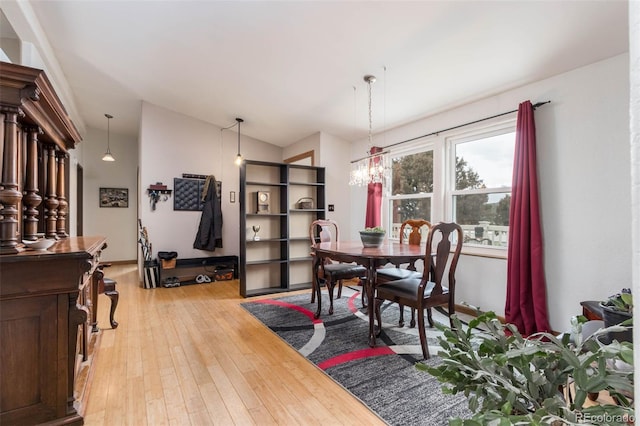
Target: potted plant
618, 309
509, 379
372, 237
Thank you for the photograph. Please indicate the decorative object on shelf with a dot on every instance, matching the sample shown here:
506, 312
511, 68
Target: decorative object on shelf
256, 229
373, 168
239, 156
107, 155
263, 200
114, 197
305, 203
41, 244
158, 192
372, 237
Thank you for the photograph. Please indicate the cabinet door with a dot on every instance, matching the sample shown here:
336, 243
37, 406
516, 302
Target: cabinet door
32, 367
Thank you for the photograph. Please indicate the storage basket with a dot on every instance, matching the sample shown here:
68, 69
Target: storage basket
305, 203
223, 274
168, 264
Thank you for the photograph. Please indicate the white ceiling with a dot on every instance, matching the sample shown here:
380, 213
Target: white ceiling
289, 68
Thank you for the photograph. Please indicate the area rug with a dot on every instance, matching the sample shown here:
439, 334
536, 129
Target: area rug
385, 377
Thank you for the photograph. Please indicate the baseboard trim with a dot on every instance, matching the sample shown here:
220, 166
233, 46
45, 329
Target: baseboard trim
121, 262
465, 309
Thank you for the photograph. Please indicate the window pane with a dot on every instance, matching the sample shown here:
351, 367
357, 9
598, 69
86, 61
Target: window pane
484, 217
401, 210
485, 163
412, 174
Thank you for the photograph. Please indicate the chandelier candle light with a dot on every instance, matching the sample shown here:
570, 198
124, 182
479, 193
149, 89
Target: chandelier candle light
373, 168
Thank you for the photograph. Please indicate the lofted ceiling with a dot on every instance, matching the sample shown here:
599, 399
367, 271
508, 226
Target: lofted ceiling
293, 68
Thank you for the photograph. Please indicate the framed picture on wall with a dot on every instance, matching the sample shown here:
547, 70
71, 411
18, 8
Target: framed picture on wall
114, 197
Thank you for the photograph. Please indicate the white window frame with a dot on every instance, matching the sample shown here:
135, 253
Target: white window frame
450, 142
388, 198
443, 147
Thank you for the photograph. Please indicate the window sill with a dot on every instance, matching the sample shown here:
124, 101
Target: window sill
492, 253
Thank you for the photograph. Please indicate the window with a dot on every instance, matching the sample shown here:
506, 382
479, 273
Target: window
480, 170
464, 177
411, 188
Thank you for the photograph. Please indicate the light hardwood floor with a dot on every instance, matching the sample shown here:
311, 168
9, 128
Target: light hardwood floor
193, 356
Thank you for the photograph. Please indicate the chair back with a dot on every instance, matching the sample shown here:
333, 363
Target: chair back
415, 236
444, 245
324, 230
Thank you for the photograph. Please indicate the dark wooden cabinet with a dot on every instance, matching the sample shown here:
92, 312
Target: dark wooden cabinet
282, 200
45, 296
39, 321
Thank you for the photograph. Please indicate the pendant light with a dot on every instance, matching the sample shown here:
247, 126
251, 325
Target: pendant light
239, 156
107, 155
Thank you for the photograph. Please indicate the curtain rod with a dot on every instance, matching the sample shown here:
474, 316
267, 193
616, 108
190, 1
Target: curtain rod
539, 104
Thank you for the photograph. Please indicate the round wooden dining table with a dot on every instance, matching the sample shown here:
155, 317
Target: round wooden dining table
371, 258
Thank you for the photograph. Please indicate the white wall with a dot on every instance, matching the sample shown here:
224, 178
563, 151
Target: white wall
310, 143
583, 168
333, 157
117, 224
172, 144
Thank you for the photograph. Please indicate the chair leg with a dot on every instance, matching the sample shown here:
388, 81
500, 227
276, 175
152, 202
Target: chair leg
452, 310
412, 323
314, 283
423, 334
363, 294
330, 286
319, 283
401, 320
429, 317
339, 289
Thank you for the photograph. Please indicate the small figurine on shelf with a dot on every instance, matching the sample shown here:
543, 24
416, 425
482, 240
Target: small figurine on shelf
256, 229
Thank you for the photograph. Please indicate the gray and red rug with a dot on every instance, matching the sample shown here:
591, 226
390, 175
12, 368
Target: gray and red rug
384, 378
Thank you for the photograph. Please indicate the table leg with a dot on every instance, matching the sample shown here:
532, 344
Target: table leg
371, 279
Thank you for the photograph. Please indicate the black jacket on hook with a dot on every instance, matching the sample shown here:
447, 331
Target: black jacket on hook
210, 230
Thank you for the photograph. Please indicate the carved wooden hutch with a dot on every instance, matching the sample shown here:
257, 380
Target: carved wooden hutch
45, 296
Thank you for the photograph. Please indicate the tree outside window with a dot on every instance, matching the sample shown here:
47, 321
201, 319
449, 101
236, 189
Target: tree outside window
482, 194
411, 189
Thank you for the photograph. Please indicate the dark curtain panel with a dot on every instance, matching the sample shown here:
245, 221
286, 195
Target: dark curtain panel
374, 198
526, 304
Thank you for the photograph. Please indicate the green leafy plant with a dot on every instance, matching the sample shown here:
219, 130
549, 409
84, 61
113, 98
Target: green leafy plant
509, 379
622, 302
376, 230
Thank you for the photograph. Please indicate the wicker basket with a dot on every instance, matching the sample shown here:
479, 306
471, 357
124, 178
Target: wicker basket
304, 203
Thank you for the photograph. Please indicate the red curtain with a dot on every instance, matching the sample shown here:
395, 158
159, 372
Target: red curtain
374, 199
526, 304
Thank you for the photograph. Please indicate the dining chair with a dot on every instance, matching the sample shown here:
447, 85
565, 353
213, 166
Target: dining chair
327, 230
412, 229
437, 284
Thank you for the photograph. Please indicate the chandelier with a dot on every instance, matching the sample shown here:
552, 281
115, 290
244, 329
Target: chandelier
373, 168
